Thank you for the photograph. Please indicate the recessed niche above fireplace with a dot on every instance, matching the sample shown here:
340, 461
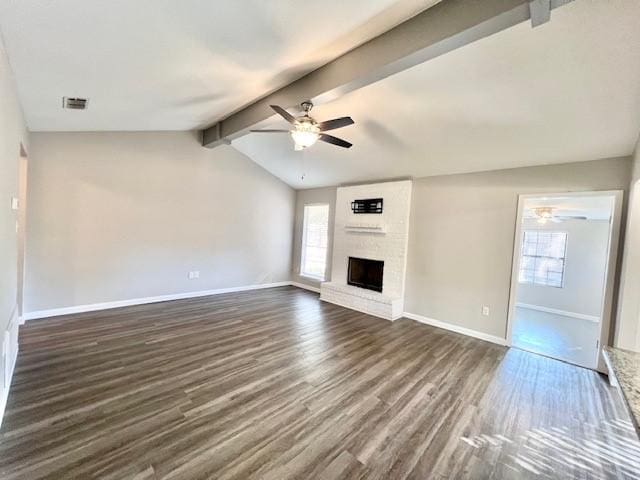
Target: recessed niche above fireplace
368, 205
365, 273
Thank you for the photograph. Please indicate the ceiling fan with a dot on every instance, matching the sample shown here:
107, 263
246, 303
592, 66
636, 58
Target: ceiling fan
546, 214
306, 131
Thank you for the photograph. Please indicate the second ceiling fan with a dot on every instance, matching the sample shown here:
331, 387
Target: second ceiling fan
306, 131
546, 214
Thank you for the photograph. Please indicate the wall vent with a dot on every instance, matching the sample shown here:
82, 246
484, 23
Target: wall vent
74, 103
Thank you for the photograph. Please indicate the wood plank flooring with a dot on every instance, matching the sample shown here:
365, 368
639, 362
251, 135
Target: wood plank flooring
275, 384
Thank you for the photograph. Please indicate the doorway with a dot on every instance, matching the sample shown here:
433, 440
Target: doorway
563, 270
21, 223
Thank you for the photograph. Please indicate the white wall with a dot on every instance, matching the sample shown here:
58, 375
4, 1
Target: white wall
627, 334
306, 197
13, 133
585, 266
119, 216
462, 231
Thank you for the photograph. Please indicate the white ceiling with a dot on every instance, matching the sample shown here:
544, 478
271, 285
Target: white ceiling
174, 65
566, 91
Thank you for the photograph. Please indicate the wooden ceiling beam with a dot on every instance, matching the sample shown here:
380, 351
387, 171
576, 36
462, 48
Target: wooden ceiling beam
446, 26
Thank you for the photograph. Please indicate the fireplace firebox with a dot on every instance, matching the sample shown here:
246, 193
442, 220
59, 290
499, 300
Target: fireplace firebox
365, 273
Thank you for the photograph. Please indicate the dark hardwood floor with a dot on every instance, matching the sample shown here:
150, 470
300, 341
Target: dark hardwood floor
274, 384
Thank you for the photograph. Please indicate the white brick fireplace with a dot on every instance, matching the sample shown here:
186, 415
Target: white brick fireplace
372, 236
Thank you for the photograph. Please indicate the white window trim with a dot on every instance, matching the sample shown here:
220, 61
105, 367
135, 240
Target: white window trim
312, 277
320, 278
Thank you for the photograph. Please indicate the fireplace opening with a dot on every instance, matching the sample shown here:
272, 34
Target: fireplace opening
365, 273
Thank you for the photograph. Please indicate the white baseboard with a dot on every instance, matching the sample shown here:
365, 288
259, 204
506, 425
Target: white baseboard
10, 354
306, 287
564, 313
54, 312
455, 328
5, 391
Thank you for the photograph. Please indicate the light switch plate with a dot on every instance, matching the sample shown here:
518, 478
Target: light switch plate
15, 203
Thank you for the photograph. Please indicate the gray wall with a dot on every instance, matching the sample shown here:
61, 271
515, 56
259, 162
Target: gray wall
627, 333
305, 197
12, 133
462, 231
13, 136
585, 268
119, 216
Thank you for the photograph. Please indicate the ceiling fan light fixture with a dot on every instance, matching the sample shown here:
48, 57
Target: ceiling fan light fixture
305, 134
305, 131
543, 212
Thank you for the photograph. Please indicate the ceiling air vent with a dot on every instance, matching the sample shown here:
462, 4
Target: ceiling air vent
74, 103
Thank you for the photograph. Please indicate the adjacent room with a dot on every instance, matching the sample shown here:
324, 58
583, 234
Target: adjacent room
382, 239
564, 256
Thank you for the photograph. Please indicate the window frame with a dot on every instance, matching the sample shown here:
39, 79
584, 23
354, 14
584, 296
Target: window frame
563, 258
303, 241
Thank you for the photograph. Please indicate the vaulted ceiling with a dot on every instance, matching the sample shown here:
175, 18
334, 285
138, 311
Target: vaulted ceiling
566, 91
174, 65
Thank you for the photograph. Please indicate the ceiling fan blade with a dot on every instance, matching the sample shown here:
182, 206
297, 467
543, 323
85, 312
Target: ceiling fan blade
335, 123
571, 217
283, 113
334, 140
269, 131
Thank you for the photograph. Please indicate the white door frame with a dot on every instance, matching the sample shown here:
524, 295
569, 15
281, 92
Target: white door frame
610, 272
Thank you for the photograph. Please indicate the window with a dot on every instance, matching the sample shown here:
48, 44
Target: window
315, 233
542, 258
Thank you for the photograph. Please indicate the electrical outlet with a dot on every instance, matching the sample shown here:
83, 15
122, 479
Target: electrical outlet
193, 275
485, 310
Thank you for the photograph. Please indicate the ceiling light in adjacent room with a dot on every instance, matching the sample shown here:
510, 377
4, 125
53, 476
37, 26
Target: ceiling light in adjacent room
544, 214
